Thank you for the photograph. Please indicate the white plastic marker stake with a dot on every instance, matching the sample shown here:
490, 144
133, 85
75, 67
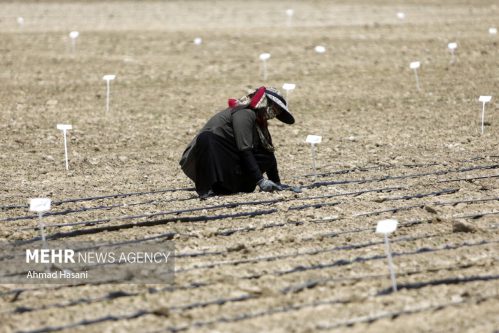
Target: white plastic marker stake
313, 140
415, 65
290, 13
484, 99
493, 31
452, 48
401, 15
20, 22
288, 87
264, 57
73, 35
198, 41
385, 227
64, 128
40, 205
320, 49
108, 78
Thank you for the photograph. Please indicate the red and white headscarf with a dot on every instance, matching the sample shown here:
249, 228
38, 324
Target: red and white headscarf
262, 98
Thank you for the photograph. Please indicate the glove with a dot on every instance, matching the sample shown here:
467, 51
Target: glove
295, 189
268, 185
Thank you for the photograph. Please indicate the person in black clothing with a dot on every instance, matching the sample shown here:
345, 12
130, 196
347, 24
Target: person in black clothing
234, 149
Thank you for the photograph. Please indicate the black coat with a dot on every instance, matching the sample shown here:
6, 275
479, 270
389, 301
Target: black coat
226, 156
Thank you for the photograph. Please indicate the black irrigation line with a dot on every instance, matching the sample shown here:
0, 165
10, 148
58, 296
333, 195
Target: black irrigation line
227, 205
291, 308
88, 209
222, 301
180, 211
436, 203
368, 168
149, 215
166, 235
396, 314
216, 217
228, 232
119, 294
452, 203
417, 175
313, 185
140, 313
312, 283
392, 166
476, 215
289, 289
467, 179
424, 195
270, 258
224, 233
201, 218
171, 235
118, 195
446, 281
346, 262
202, 253
100, 197
17, 292
246, 229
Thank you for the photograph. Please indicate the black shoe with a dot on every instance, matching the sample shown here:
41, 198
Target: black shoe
204, 196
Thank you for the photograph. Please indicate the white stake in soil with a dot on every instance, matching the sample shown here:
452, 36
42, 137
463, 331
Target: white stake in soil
264, 57
40, 205
20, 22
386, 227
64, 128
313, 140
484, 99
320, 49
289, 14
493, 31
452, 49
288, 87
401, 15
415, 65
198, 41
73, 35
108, 78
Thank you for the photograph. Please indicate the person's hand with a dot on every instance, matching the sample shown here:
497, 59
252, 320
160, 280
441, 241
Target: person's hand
268, 185
295, 189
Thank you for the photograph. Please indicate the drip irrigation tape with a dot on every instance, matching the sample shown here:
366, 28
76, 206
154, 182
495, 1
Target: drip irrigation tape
368, 168
290, 308
418, 175
396, 314
296, 288
312, 283
317, 184
149, 215
289, 289
228, 205
140, 313
109, 196
446, 281
87, 209
346, 262
333, 249
467, 179
95, 230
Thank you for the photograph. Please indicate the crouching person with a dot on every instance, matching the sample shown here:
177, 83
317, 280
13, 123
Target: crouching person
234, 149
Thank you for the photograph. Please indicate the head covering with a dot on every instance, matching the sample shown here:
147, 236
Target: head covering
264, 97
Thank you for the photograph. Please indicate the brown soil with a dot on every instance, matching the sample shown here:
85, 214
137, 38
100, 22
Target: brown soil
294, 269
